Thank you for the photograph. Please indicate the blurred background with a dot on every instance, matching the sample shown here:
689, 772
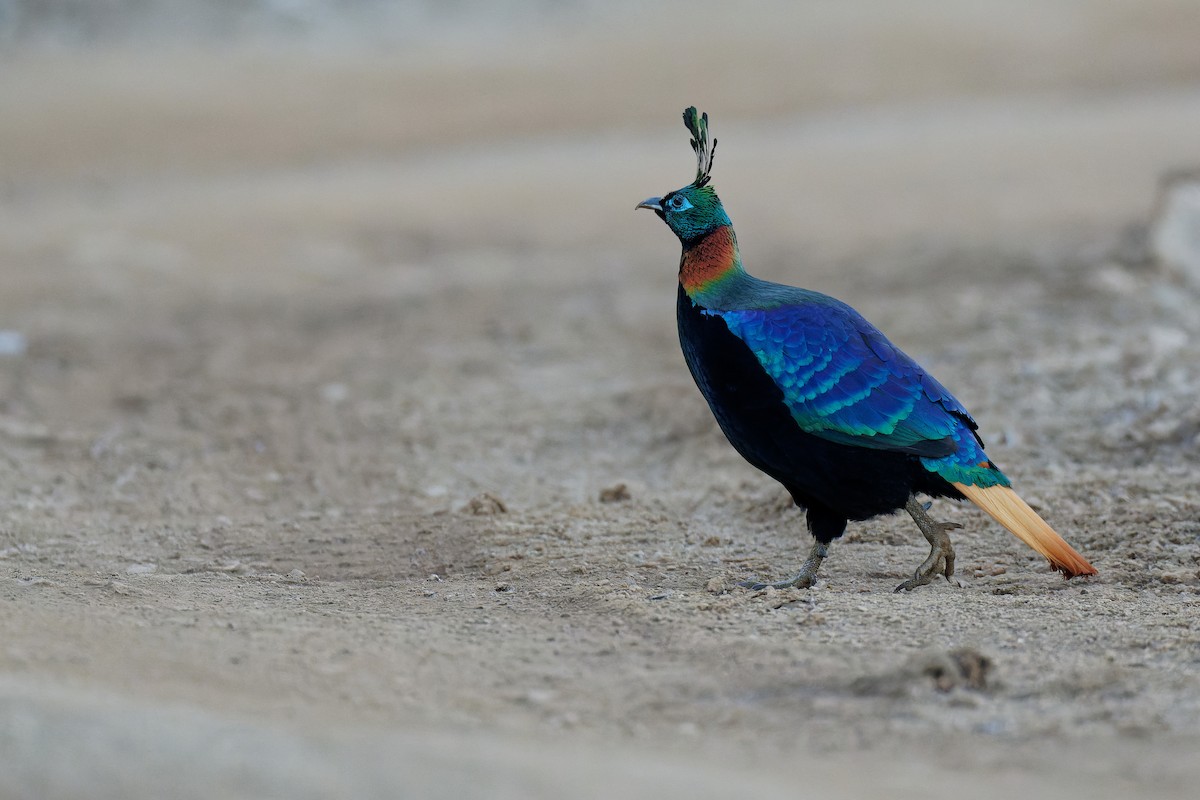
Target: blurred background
183, 184
303, 302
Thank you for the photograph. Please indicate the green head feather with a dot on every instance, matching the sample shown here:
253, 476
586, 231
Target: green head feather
694, 210
697, 124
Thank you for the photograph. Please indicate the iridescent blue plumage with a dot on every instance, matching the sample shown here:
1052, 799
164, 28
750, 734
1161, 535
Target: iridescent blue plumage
843, 381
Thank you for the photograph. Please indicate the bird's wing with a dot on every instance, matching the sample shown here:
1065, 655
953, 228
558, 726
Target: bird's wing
844, 381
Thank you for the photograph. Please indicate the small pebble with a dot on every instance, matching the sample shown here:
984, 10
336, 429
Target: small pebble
485, 505
615, 494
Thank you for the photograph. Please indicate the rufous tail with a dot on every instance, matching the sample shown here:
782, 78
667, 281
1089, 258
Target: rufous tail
1006, 507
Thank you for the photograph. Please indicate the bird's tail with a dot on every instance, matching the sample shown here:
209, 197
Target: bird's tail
1006, 507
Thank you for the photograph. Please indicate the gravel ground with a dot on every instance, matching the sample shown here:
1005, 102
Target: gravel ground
346, 448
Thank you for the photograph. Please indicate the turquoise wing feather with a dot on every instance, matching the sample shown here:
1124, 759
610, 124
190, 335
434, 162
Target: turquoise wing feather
845, 382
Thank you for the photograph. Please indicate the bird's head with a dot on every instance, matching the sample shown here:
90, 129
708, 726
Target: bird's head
694, 210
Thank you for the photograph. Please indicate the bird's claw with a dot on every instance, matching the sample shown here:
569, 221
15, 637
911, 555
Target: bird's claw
941, 552
922, 578
798, 582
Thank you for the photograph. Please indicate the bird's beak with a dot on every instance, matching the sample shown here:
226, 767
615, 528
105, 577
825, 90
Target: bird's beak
652, 203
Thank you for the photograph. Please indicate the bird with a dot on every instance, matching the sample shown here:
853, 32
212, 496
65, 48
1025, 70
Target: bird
815, 396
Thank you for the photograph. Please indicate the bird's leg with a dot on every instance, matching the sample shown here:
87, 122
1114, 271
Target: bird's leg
941, 552
803, 579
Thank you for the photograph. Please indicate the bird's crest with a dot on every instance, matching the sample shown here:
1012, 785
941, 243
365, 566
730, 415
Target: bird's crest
697, 123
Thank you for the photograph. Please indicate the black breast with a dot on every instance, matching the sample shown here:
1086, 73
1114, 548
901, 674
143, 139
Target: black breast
854, 482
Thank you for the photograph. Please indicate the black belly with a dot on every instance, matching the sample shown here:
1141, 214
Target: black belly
831, 480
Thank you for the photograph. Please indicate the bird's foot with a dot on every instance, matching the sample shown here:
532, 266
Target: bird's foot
801, 580
804, 579
939, 562
941, 551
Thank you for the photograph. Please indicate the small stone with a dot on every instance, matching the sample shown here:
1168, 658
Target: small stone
297, 575
716, 586
973, 666
963, 667
617, 493
485, 505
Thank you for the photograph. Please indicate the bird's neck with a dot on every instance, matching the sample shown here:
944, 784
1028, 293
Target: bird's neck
710, 266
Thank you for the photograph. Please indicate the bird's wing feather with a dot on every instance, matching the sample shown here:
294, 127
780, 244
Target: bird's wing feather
843, 381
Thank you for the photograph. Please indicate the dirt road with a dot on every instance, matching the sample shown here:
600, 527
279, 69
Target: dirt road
325, 354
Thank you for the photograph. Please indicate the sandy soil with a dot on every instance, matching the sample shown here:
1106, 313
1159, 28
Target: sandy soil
338, 355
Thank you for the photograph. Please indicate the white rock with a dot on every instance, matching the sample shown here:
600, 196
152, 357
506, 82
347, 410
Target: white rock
1175, 229
12, 343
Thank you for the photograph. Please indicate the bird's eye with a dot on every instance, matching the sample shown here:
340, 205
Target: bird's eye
679, 203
